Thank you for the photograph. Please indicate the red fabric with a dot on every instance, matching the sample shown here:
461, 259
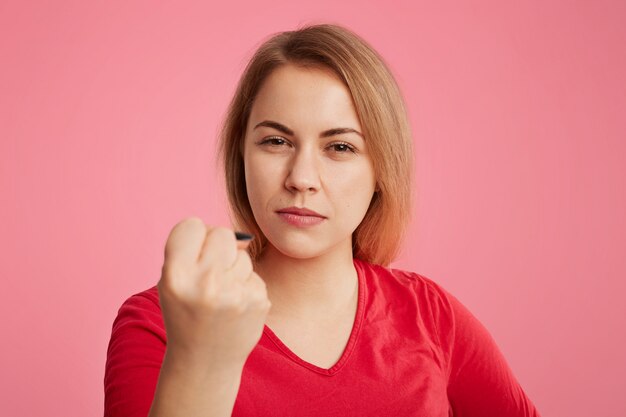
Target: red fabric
415, 350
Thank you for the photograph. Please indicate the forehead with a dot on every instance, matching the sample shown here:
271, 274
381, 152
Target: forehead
298, 95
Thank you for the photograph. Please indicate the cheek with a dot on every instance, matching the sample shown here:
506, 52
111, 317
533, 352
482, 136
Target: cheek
360, 201
261, 180
353, 190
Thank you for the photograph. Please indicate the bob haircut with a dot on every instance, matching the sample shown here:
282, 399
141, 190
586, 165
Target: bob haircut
382, 114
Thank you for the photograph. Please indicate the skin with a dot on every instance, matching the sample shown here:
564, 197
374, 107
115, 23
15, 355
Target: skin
214, 305
309, 272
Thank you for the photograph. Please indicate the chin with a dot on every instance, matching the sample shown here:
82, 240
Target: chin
294, 248
302, 247
300, 253
304, 243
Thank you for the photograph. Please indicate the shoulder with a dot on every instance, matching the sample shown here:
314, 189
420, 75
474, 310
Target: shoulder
458, 330
416, 295
146, 301
418, 285
140, 310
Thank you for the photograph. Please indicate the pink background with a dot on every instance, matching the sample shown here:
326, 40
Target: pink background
108, 117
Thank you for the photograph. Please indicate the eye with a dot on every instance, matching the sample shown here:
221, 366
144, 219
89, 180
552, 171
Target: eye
273, 141
342, 147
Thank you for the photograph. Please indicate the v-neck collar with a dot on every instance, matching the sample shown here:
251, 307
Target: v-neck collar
356, 327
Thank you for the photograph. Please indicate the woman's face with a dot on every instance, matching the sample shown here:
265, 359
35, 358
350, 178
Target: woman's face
304, 150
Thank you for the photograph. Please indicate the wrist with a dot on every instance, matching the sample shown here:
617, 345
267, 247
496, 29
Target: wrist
199, 363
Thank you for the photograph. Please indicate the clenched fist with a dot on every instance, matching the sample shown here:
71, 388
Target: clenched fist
214, 305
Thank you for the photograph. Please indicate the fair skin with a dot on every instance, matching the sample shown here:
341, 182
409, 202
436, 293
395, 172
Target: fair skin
304, 285
309, 272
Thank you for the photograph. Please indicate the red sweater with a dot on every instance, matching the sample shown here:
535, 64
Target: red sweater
414, 350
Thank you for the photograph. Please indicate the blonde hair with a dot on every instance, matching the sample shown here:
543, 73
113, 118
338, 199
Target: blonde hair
382, 114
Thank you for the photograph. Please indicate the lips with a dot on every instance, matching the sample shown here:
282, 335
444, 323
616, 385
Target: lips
300, 212
302, 218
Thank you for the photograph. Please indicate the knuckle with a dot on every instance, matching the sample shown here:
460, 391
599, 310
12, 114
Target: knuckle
222, 233
245, 263
189, 223
167, 276
172, 272
257, 279
190, 228
192, 221
261, 302
167, 271
257, 290
208, 285
266, 305
164, 288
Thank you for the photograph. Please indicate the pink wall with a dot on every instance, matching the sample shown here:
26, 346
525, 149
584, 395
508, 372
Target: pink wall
108, 114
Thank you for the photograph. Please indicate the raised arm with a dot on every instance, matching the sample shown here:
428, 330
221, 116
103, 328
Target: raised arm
213, 311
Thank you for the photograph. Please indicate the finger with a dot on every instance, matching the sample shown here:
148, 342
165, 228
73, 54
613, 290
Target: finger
242, 268
243, 244
258, 288
219, 249
184, 241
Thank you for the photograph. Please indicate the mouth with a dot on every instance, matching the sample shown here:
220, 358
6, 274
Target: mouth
300, 211
300, 217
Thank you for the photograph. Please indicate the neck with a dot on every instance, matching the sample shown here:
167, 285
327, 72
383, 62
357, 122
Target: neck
312, 287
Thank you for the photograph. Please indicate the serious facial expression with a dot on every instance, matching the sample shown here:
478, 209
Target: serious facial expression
308, 173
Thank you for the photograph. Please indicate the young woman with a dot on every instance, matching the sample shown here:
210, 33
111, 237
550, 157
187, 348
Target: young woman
306, 319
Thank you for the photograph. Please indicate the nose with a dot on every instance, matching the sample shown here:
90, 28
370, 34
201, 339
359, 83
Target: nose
304, 174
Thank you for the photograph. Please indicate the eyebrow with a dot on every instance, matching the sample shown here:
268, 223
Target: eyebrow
324, 134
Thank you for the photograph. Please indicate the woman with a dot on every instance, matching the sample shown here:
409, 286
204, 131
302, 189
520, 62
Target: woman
306, 319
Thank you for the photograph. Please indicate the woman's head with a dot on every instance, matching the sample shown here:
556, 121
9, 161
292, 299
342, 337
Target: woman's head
338, 58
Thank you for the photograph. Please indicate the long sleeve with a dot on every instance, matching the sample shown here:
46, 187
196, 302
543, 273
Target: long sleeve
134, 356
480, 381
